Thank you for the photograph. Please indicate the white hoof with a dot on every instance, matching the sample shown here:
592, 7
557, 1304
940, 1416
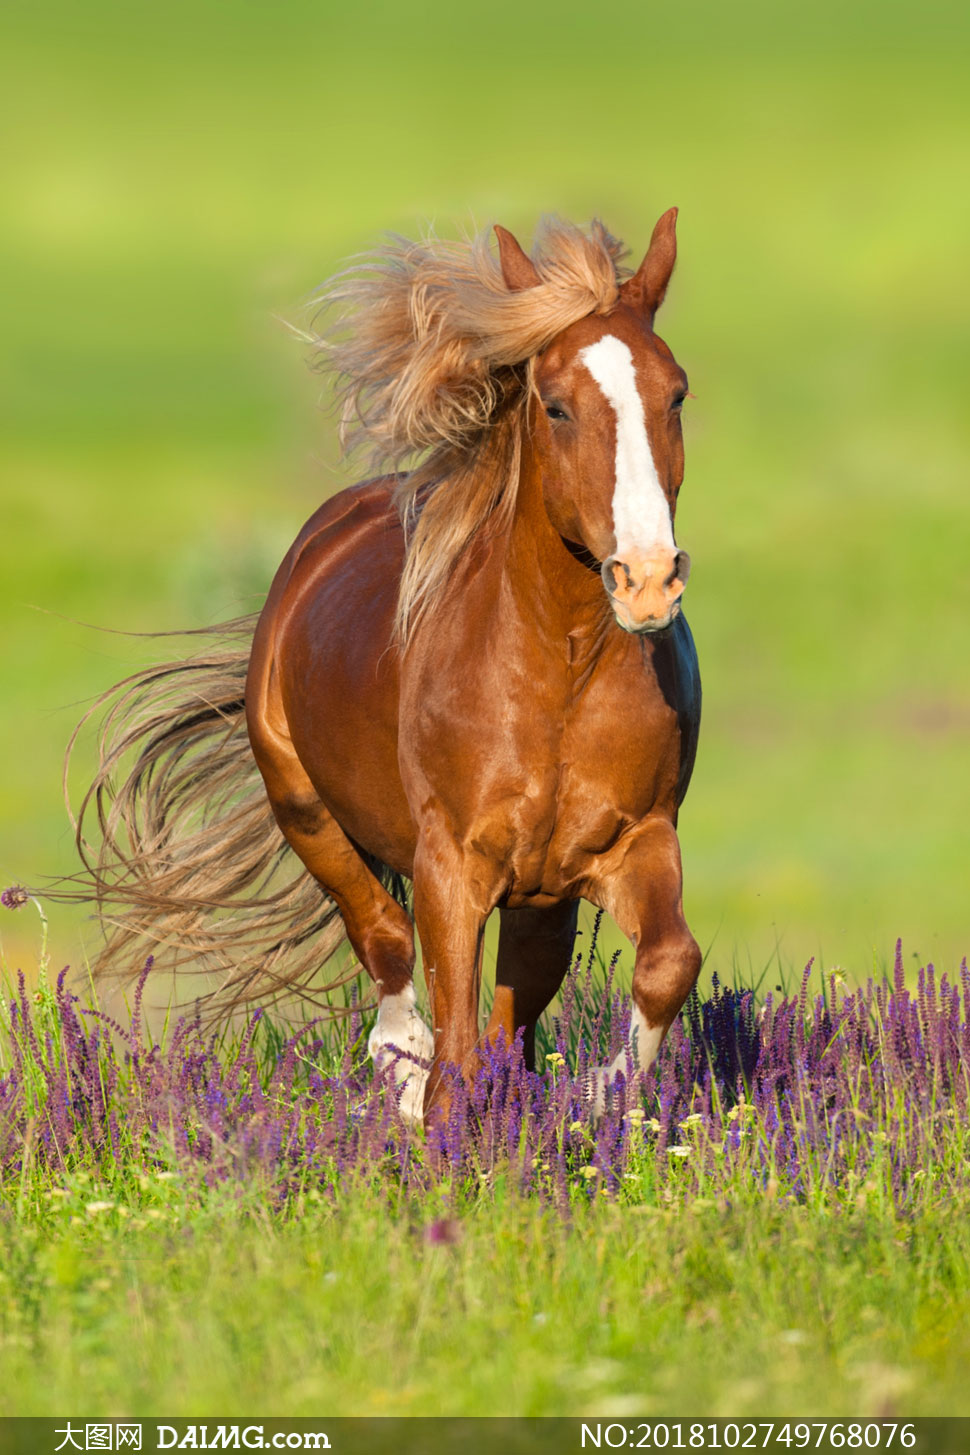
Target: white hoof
399, 1025
601, 1079
638, 1055
400, 1042
411, 1102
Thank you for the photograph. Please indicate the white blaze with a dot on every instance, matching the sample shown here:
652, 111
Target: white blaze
641, 515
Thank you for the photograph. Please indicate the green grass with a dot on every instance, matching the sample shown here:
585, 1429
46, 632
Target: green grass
158, 1282
739, 1307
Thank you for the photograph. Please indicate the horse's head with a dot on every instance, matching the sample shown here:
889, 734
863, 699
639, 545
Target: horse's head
605, 427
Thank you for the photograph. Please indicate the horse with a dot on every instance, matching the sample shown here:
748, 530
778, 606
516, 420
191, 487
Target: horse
473, 673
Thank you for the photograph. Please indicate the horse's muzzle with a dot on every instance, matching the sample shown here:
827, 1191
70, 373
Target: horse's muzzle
645, 589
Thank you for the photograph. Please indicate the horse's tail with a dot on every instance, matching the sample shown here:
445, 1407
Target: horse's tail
187, 860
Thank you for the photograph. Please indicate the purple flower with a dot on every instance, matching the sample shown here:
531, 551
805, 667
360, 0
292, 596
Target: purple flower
15, 897
791, 1095
443, 1230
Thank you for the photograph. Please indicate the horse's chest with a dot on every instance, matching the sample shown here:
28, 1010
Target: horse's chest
616, 764
542, 784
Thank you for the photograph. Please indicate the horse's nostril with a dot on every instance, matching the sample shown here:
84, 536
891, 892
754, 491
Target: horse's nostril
680, 570
616, 575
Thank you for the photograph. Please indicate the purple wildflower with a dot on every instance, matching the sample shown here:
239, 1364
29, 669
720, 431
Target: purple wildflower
15, 897
443, 1230
792, 1094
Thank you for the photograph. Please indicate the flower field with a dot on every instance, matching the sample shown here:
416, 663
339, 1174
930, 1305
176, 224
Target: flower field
791, 1176
829, 1098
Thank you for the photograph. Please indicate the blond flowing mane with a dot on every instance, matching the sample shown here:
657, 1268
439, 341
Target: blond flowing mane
431, 353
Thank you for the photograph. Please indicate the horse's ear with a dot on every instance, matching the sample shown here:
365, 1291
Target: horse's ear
646, 289
518, 269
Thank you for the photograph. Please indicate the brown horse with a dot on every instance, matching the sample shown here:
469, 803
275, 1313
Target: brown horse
529, 741
476, 673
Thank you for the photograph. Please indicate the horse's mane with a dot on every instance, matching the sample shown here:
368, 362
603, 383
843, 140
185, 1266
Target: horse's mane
432, 353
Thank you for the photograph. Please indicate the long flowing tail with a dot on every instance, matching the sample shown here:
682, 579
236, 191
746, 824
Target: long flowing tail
187, 860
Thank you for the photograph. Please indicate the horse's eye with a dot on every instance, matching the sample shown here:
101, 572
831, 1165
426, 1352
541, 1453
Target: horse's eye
554, 412
678, 403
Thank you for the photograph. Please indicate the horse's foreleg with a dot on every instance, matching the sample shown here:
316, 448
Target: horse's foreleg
534, 950
643, 894
453, 897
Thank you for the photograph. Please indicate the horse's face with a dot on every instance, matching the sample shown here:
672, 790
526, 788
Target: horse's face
606, 428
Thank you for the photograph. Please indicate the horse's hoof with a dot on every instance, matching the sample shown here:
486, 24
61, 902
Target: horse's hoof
402, 1043
405, 1073
399, 1026
602, 1079
411, 1102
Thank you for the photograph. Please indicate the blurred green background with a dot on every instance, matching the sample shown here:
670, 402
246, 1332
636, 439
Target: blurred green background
175, 178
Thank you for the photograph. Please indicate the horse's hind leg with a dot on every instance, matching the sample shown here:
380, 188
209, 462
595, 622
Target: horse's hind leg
534, 951
378, 928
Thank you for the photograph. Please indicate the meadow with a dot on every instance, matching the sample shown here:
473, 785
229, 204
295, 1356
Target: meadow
773, 1222
243, 1224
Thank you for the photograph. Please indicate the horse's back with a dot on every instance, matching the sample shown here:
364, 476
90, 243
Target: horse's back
325, 667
